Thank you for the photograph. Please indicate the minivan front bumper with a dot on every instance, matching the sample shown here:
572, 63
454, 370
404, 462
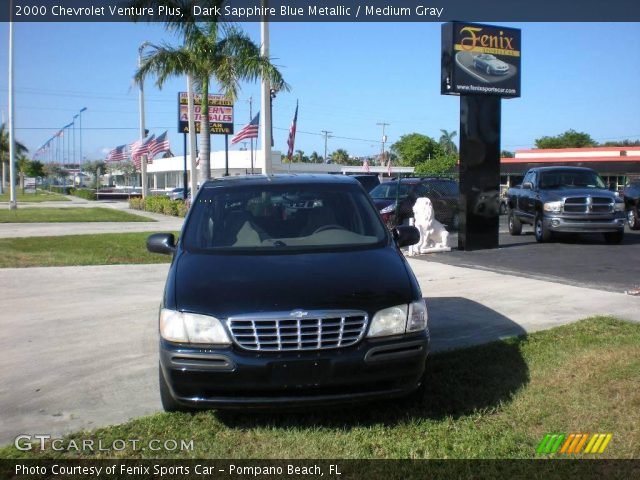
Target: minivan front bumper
231, 377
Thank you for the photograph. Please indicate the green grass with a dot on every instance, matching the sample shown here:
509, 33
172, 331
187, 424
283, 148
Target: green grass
34, 197
64, 215
491, 401
100, 249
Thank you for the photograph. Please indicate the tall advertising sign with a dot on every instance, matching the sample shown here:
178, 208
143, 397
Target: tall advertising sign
220, 113
480, 59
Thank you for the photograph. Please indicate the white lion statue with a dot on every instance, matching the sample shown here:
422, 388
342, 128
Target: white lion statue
433, 236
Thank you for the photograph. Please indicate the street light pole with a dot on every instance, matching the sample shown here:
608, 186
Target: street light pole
81, 157
13, 204
143, 160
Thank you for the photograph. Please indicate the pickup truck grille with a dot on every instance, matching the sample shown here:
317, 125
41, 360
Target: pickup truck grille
291, 331
588, 205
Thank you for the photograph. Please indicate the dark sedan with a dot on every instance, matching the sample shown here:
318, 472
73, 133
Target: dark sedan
288, 290
443, 194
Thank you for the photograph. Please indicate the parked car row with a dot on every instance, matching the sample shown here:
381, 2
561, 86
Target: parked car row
443, 194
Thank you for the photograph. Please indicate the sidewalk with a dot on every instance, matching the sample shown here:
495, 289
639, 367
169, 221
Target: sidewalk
162, 223
93, 328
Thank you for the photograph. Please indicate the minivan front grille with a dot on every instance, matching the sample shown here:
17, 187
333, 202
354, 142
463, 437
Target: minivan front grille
298, 330
588, 205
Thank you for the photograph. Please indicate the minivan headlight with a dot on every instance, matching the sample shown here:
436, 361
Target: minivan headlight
184, 327
399, 319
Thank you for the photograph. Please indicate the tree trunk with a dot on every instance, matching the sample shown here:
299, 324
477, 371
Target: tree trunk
205, 138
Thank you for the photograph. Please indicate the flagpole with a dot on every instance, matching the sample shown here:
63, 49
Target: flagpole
250, 119
265, 98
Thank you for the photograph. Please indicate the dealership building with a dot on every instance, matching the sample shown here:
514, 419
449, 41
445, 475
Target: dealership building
167, 173
614, 164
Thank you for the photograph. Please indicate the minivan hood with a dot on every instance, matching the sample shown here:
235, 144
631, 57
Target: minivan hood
225, 285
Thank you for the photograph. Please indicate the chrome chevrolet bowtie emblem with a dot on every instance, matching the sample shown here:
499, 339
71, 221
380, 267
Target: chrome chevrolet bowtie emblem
298, 313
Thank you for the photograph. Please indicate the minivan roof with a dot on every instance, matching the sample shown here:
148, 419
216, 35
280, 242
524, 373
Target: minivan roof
280, 179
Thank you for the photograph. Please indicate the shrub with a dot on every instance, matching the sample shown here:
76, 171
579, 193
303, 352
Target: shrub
160, 204
83, 193
136, 203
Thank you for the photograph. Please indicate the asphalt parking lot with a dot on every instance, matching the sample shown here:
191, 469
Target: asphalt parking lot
579, 260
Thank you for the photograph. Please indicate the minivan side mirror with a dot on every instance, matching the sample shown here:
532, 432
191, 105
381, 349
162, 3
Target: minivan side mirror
527, 186
164, 243
406, 235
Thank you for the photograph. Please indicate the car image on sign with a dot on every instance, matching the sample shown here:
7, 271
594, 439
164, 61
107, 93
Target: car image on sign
490, 65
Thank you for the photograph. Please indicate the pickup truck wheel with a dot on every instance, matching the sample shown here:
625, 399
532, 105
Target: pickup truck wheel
543, 234
632, 218
169, 404
515, 226
614, 238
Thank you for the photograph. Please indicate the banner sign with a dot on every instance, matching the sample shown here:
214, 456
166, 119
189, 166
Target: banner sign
480, 59
220, 113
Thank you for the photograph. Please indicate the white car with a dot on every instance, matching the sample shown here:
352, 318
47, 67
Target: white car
490, 65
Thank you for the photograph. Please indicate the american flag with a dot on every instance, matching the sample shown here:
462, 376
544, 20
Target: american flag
140, 148
292, 134
365, 165
250, 130
159, 145
117, 154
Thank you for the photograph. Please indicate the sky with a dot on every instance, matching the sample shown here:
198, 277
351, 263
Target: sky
347, 78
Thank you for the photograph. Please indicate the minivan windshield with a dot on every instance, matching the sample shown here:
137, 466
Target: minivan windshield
570, 179
281, 216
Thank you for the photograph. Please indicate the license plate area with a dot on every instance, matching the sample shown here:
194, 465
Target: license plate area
299, 373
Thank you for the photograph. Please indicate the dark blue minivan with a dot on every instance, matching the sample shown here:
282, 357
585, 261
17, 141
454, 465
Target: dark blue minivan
288, 290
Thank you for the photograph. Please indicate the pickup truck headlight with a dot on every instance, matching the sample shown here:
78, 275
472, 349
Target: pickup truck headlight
186, 327
399, 319
618, 207
388, 208
553, 207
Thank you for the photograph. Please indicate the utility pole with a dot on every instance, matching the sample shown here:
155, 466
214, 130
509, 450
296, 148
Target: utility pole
384, 140
326, 137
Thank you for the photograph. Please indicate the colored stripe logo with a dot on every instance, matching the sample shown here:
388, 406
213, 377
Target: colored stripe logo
574, 443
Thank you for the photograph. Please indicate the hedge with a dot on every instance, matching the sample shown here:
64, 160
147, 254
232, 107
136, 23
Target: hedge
83, 193
159, 204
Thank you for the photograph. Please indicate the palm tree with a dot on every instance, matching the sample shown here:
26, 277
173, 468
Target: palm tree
211, 50
340, 156
446, 142
314, 158
4, 152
